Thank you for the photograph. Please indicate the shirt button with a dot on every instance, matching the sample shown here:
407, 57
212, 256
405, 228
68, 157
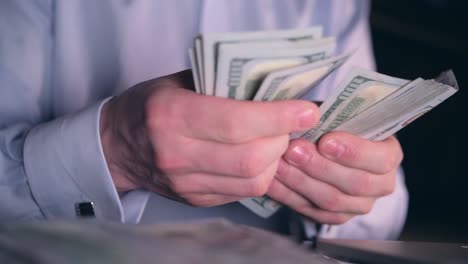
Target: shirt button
85, 209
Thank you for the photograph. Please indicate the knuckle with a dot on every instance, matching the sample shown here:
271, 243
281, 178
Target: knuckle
296, 180
201, 202
251, 164
258, 187
396, 159
392, 161
324, 217
159, 116
191, 201
178, 187
339, 219
332, 202
390, 187
155, 125
307, 210
364, 207
367, 208
362, 184
330, 218
389, 164
399, 151
320, 165
168, 163
401, 156
230, 131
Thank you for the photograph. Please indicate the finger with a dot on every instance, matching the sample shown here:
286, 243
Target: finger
304, 156
240, 160
209, 200
323, 195
199, 183
281, 193
226, 120
355, 152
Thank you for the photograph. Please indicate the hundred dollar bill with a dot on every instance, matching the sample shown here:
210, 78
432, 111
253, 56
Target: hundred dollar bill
206, 48
263, 206
242, 68
358, 90
198, 55
294, 82
401, 107
196, 79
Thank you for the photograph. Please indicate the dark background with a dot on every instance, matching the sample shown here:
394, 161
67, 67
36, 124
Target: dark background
417, 38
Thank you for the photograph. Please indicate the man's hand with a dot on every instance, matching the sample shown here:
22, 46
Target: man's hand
337, 179
201, 150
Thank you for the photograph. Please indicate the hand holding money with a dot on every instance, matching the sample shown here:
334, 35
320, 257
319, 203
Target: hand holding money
174, 144
337, 179
282, 65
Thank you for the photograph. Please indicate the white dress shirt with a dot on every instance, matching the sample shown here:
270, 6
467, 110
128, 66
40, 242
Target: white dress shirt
60, 60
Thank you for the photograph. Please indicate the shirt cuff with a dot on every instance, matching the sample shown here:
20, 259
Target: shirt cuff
134, 204
65, 166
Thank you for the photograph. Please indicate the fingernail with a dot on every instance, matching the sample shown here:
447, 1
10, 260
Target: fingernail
333, 148
307, 119
298, 155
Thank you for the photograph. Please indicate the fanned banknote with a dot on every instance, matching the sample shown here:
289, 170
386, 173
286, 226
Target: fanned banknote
206, 48
293, 82
282, 65
241, 68
358, 90
400, 108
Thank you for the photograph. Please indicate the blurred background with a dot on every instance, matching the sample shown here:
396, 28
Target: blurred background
421, 38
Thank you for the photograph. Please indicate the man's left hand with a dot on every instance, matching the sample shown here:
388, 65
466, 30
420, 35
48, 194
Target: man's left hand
337, 179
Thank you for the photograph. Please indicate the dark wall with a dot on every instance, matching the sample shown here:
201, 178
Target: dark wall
420, 39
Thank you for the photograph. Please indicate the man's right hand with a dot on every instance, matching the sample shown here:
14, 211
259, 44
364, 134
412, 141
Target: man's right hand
200, 150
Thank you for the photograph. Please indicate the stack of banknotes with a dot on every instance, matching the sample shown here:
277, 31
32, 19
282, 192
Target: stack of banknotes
282, 65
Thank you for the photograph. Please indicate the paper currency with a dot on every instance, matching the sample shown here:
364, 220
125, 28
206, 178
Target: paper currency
196, 78
242, 68
292, 82
282, 65
206, 48
358, 90
263, 206
403, 106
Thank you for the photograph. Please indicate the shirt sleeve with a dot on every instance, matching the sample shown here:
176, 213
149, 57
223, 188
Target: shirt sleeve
385, 221
48, 165
64, 166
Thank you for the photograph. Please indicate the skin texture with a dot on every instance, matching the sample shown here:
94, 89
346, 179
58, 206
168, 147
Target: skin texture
337, 179
205, 151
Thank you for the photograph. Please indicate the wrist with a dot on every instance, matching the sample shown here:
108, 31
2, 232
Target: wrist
110, 147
